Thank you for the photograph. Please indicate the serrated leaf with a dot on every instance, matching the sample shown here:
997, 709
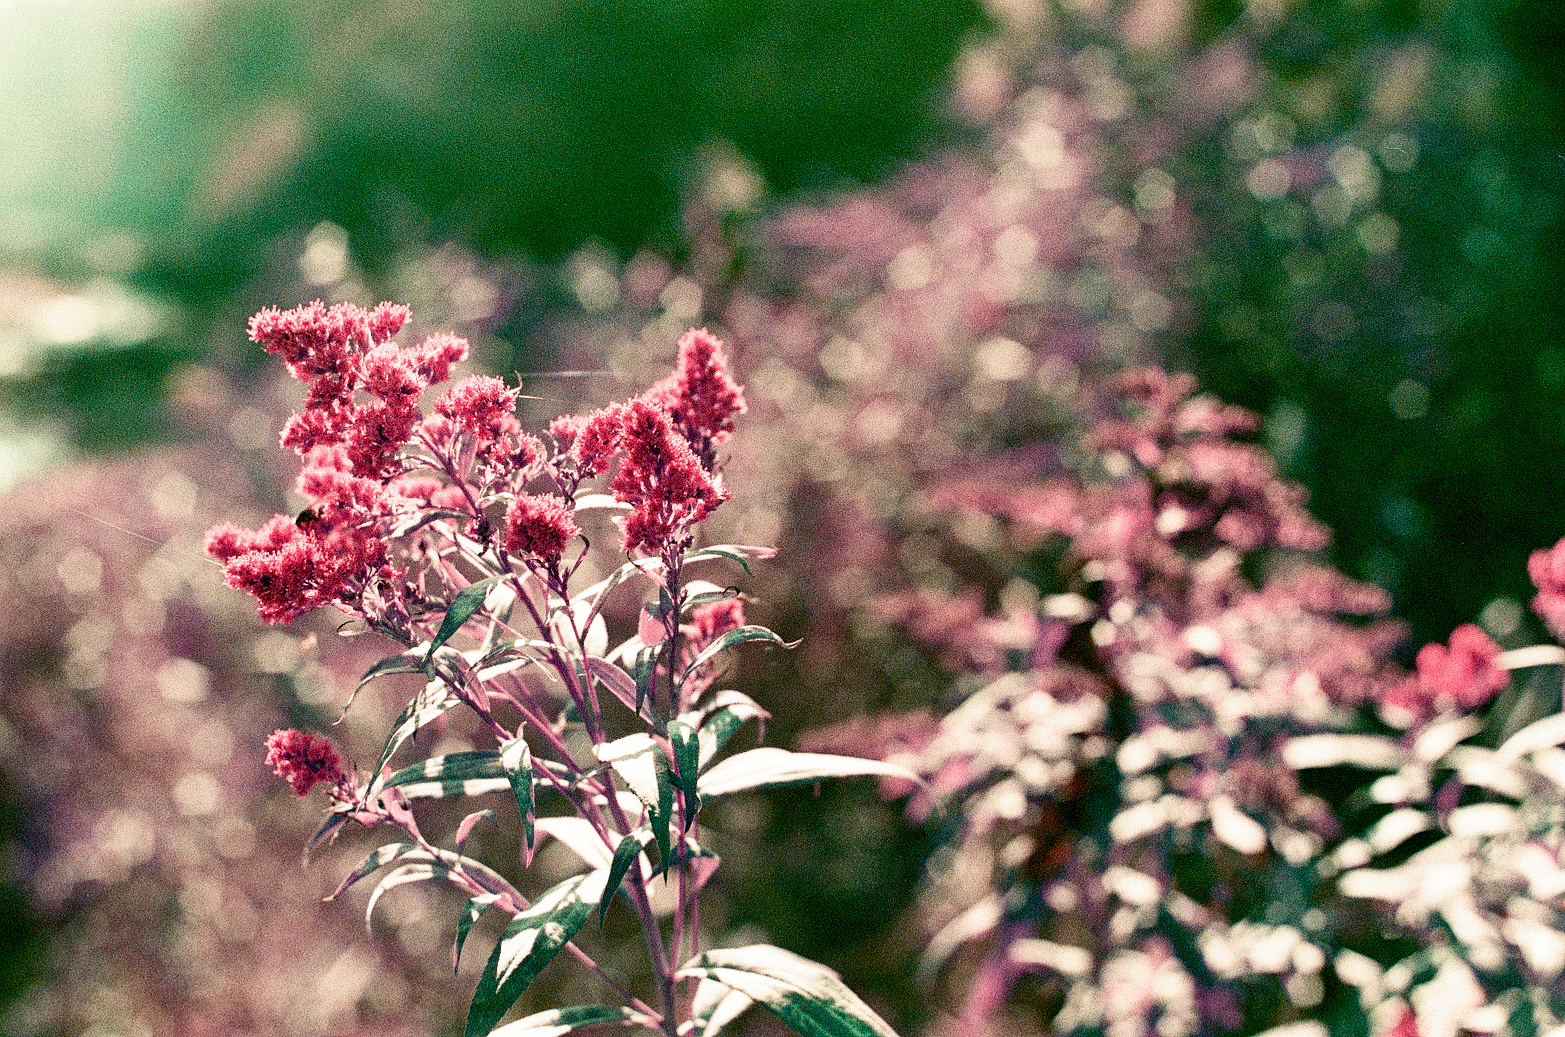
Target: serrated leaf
687, 759
403, 663
774, 768
662, 813
730, 638
624, 856
808, 997
528, 944
378, 858
467, 601
454, 774
470, 914
559, 1021
517, 760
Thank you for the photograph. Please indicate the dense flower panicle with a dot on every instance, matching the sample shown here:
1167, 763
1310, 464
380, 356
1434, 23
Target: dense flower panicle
1462, 675
482, 406
314, 339
1547, 570
434, 357
387, 319
539, 527
594, 438
304, 760
663, 481
700, 397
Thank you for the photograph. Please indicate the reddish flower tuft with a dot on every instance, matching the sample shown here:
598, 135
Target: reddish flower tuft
1462, 676
661, 479
484, 408
304, 761
539, 527
700, 397
595, 438
1547, 569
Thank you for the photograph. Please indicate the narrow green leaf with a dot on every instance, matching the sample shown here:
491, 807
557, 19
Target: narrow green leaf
454, 774
740, 553
325, 833
624, 856
808, 997
708, 597
687, 759
420, 871
468, 601
559, 1021
662, 812
430, 703
391, 664
470, 914
377, 859
773, 768
529, 943
517, 759
737, 636
719, 717
645, 671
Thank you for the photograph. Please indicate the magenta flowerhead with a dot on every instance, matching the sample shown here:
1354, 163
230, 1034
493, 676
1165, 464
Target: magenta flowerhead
1462, 675
538, 528
700, 397
1547, 569
663, 481
304, 761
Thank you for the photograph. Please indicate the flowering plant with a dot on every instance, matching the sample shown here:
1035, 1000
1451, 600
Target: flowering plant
1188, 803
458, 536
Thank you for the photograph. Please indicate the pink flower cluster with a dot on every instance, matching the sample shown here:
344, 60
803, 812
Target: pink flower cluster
1461, 675
372, 457
305, 761
1547, 569
700, 397
539, 528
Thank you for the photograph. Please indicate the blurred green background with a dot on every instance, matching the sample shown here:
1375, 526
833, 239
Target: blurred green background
167, 166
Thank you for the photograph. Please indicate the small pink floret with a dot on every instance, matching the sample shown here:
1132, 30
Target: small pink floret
304, 760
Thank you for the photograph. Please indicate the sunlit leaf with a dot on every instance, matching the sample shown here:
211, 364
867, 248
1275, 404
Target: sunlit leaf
772, 768
467, 601
471, 773
430, 703
404, 663
528, 944
727, 640
377, 859
418, 871
714, 1006
741, 553
559, 1021
718, 718
808, 997
517, 760
470, 914
624, 856
1370, 752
